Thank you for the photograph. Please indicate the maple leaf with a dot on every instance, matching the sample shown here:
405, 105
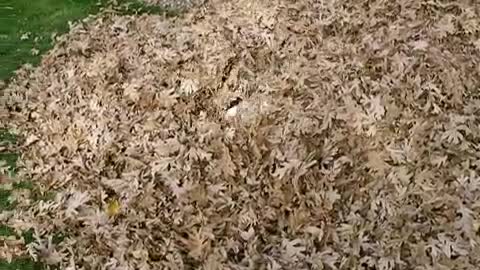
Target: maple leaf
25, 36
447, 246
226, 164
247, 235
177, 191
452, 136
419, 45
197, 244
330, 258
131, 90
286, 167
45, 249
188, 87
386, 264
273, 265
76, 200
477, 44
293, 250
376, 162
466, 221
331, 197
197, 154
376, 109
439, 161
445, 26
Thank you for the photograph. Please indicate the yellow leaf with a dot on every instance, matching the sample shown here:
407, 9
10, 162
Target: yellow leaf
113, 208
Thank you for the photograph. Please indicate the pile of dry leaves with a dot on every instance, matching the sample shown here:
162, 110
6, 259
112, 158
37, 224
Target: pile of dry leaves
247, 134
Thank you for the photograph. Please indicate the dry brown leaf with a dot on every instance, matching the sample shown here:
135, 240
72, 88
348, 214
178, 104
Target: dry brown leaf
352, 141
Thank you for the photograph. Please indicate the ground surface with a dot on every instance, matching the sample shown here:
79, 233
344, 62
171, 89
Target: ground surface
29, 25
27, 30
257, 135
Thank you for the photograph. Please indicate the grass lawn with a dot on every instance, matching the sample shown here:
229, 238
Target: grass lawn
28, 25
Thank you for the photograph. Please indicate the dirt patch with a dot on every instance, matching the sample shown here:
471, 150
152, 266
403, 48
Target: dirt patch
258, 135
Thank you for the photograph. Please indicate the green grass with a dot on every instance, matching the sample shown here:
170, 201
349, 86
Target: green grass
11, 160
27, 26
21, 264
37, 20
6, 137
